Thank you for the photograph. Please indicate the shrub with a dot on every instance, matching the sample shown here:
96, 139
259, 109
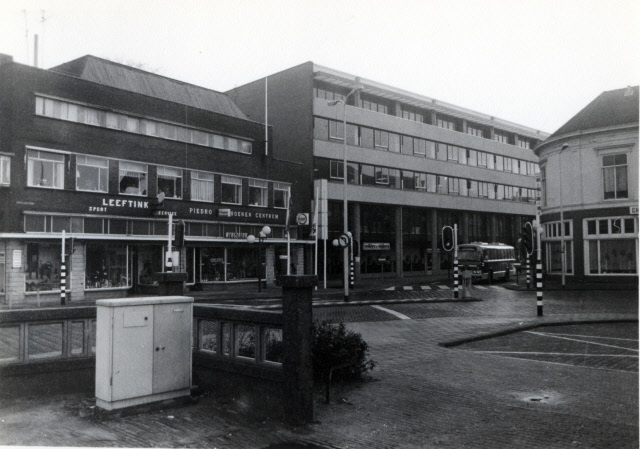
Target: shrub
333, 345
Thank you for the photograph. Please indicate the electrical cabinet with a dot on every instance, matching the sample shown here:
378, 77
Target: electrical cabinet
143, 350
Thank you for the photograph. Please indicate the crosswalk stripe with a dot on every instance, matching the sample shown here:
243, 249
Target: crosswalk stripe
392, 312
390, 289
425, 287
407, 287
443, 287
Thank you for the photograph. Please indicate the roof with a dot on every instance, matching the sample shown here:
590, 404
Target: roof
102, 71
610, 108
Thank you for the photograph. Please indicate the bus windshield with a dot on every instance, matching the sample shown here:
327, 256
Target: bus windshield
470, 255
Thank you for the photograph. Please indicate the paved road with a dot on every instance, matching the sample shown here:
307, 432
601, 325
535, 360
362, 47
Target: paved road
422, 394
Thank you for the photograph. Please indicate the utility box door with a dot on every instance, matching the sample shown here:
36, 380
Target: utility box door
132, 351
172, 347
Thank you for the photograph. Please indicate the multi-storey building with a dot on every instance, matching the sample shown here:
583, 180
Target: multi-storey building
87, 147
589, 169
414, 165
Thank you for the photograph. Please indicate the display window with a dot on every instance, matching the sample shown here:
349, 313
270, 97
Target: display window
42, 267
611, 246
150, 261
107, 266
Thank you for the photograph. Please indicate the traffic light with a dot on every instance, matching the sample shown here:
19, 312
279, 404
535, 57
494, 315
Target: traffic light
179, 237
447, 238
526, 239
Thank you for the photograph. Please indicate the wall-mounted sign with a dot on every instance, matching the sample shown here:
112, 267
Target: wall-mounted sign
376, 246
236, 235
224, 212
17, 258
633, 210
302, 219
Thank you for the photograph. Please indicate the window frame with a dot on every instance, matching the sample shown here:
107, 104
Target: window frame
204, 181
233, 181
56, 164
5, 169
614, 168
100, 172
261, 185
146, 178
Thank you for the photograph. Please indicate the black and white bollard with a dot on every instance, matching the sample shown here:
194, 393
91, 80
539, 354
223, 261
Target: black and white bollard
539, 287
455, 278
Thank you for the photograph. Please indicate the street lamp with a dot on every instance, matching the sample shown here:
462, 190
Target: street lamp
562, 243
264, 233
344, 184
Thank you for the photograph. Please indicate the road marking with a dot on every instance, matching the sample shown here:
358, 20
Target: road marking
443, 287
390, 289
407, 287
392, 312
425, 287
593, 336
559, 353
580, 341
479, 287
496, 286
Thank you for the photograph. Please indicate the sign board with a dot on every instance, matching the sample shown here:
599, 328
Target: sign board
302, 219
283, 257
224, 212
343, 240
633, 210
17, 258
175, 259
376, 246
236, 235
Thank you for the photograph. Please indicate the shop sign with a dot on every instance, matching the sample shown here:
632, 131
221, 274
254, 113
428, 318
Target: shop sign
633, 210
302, 219
17, 258
376, 246
236, 235
120, 203
284, 257
247, 214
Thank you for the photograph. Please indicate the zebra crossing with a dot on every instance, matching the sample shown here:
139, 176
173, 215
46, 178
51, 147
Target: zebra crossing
408, 288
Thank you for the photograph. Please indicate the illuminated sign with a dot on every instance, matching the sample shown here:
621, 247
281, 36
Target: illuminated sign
376, 246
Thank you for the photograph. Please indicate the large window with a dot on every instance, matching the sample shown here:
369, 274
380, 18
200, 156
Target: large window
133, 178
107, 266
543, 185
382, 175
5, 170
258, 192
170, 182
92, 174
202, 186
42, 269
281, 195
45, 169
611, 246
614, 176
231, 190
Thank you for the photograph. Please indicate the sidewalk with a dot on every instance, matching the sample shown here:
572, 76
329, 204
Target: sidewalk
421, 395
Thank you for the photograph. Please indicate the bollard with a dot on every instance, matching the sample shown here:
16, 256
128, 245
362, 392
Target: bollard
297, 369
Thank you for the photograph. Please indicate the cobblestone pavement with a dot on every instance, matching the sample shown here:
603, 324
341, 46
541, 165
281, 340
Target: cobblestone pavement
421, 394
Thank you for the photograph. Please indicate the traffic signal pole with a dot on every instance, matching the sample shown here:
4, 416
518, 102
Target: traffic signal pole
539, 270
455, 261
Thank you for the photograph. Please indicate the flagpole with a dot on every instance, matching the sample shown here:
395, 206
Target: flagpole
315, 232
288, 236
266, 119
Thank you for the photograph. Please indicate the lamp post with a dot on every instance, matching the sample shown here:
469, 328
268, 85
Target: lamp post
345, 213
562, 243
264, 233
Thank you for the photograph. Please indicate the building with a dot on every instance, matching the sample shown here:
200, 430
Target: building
87, 147
415, 164
589, 176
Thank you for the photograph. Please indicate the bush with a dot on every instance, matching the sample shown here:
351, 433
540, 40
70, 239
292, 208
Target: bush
333, 345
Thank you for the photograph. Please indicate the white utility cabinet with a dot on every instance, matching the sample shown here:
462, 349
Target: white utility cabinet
143, 350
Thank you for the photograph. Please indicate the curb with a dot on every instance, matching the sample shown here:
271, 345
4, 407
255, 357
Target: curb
529, 326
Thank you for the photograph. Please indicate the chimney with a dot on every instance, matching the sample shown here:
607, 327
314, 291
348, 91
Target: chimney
5, 59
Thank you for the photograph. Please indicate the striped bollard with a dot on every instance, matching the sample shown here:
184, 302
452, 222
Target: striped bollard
539, 287
455, 278
528, 273
351, 274
63, 283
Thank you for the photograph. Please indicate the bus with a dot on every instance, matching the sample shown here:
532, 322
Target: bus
487, 261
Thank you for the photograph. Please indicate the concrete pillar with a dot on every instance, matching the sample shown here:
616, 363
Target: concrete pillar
434, 118
398, 109
464, 233
398, 241
435, 232
298, 257
77, 272
492, 132
297, 369
356, 237
464, 126
493, 232
270, 259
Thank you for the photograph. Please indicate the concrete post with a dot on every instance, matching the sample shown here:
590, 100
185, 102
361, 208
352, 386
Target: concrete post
297, 369
356, 236
270, 259
435, 232
398, 241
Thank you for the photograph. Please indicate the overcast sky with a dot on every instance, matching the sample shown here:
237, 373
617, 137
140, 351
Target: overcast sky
533, 62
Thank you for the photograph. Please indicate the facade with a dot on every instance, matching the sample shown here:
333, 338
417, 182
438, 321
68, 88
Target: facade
86, 148
414, 165
589, 175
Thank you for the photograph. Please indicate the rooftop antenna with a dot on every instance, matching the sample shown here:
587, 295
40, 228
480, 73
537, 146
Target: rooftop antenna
43, 19
26, 35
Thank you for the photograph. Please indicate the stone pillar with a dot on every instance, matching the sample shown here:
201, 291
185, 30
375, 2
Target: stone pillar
77, 272
435, 232
463, 236
357, 244
270, 259
297, 369
398, 241
493, 231
298, 250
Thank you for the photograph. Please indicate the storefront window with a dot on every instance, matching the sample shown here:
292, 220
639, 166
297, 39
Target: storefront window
107, 266
242, 263
554, 257
43, 267
150, 261
212, 264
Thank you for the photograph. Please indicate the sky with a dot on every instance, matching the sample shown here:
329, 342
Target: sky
533, 62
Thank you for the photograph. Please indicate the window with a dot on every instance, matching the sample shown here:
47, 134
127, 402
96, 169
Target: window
394, 143
133, 178
45, 169
373, 106
483, 190
515, 166
453, 186
452, 153
464, 187
474, 131
421, 181
336, 130
5, 170
107, 266
92, 174
420, 147
614, 176
441, 152
42, 268
472, 187
491, 190
523, 143
368, 175
432, 183
443, 184
170, 182
446, 124
491, 161
431, 149
407, 145
472, 158
366, 137
352, 173
381, 139
462, 155
202, 186
231, 190
336, 170
258, 192
410, 115
499, 192
502, 138
382, 175
320, 128
482, 159
394, 178
281, 195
